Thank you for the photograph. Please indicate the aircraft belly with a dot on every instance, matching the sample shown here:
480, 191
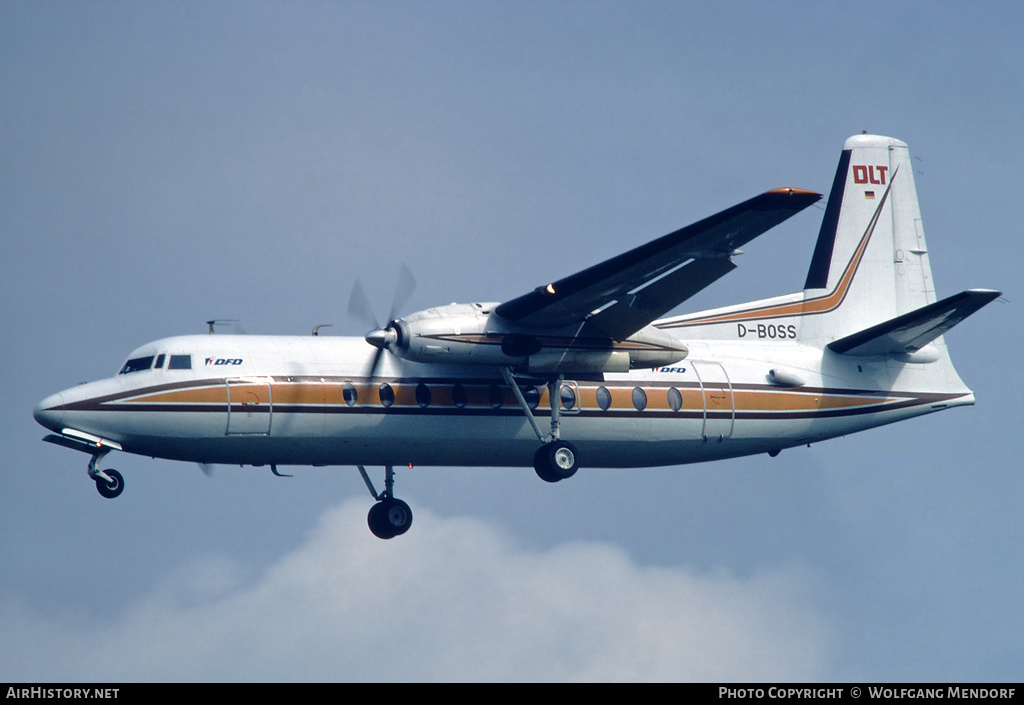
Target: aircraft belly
481, 442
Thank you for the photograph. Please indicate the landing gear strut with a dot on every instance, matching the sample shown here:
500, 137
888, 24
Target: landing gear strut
109, 483
556, 459
390, 516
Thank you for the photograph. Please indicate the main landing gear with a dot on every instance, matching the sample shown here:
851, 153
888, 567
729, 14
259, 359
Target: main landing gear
390, 516
556, 459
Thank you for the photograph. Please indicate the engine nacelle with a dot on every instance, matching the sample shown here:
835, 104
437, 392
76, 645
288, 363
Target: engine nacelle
469, 334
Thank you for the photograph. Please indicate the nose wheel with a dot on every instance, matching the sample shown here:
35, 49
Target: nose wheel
111, 487
109, 483
390, 516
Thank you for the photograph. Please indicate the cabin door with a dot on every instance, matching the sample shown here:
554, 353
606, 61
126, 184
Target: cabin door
719, 405
250, 407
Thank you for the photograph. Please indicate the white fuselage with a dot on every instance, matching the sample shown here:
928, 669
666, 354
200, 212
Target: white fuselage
289, 400
860, 346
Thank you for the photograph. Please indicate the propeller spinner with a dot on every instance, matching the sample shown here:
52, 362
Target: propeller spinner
359, 307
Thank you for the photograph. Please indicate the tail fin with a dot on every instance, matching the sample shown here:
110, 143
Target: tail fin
870, 267
869, 289
870, 263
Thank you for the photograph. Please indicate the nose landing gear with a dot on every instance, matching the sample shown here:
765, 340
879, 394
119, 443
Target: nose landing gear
110, 488
109, 483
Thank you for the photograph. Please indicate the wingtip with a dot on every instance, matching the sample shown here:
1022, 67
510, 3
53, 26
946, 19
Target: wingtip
793, 191
789, 198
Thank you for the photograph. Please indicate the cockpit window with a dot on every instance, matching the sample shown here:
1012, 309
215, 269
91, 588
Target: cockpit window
180, 362
137, 364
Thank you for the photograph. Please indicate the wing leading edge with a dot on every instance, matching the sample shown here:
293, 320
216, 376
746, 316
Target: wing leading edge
625, 293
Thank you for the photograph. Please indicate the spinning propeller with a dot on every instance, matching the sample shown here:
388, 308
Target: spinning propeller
359, 307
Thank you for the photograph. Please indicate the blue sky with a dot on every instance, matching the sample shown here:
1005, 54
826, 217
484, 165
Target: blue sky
164, 163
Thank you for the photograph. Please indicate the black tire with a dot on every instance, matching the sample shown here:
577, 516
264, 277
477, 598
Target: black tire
113, 488
541, 465
377, 522
398, 516
389, 518
556, 461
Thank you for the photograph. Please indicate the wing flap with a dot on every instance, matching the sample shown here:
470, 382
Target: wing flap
636, 310
912, 331
574, 298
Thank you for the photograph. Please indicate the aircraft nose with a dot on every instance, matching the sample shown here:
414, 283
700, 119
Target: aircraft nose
50, 411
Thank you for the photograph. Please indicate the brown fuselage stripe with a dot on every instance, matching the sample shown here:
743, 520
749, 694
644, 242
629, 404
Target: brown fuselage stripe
318, 396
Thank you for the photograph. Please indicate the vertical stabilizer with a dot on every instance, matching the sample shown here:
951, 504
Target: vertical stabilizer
870, 262
869, 289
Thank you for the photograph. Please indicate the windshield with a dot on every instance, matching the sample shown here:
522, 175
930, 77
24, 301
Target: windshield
137, 364
180, 362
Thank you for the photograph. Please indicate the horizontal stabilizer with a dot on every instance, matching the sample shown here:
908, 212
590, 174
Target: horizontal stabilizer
912, 331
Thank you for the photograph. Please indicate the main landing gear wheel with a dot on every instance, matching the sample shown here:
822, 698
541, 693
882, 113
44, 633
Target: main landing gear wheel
556, 461
389, 518
110, 489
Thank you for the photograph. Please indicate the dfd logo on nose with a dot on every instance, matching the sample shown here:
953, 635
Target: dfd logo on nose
223, 361
869, 174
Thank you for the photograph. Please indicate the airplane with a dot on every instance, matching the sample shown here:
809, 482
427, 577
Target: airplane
581, 371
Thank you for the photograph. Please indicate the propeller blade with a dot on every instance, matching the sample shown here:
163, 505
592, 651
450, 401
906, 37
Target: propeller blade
377, 357
403, 290
359, 307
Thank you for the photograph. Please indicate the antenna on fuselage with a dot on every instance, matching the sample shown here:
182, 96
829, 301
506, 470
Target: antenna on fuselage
220, 321
316, 328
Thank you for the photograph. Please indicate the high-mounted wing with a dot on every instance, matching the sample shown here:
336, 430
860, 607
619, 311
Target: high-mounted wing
623, 294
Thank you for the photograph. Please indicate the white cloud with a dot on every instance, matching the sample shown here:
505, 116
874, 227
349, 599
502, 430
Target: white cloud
454, 599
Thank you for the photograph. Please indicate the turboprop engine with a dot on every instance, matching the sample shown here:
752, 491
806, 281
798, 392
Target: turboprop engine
474, 334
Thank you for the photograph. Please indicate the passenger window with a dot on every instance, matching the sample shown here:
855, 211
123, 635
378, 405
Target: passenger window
459, 396
180, 362
137, 364
675, 399
387, 395
423, 395
604, 398
568, 397
349, 393
532, 397
496, 396
639, 399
